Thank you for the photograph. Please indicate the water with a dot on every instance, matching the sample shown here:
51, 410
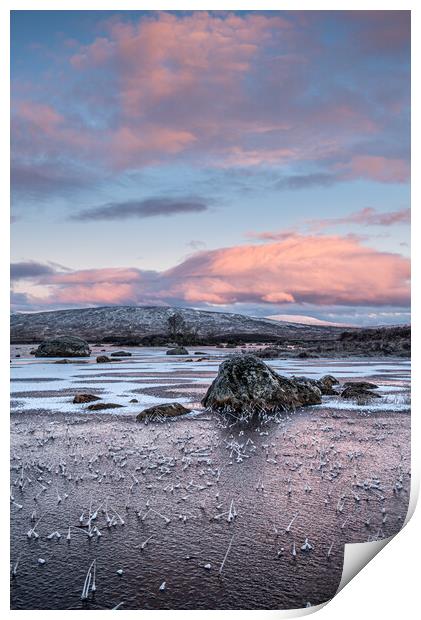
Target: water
343, 469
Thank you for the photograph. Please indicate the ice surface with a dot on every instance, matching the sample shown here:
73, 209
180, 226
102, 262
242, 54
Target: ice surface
120, 381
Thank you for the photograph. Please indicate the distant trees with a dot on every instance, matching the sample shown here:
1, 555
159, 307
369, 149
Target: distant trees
179, 331
176, 325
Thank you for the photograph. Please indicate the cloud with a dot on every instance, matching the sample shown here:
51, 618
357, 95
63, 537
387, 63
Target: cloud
151, 207
299, 269
196, 244
29, 269
43, 179
224, 90
280, 235
304, 181
377, 168
366, 217
95, 286
21, 303
384, 32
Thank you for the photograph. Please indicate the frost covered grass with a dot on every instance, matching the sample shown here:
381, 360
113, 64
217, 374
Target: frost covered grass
161, 503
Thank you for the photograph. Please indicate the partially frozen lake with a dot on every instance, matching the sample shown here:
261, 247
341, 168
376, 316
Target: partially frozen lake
41, 384
175, 502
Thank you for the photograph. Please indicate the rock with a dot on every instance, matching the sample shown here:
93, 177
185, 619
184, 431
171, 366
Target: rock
326, 384
63, 346
133, 400
358, 393
327, 391
159, 412
308, 390
85, 398
99, 406
329, 380
246, 384
66, 361
360, 385
306, 355
32, 352
120, 354
102, 359
199, 353
177, 351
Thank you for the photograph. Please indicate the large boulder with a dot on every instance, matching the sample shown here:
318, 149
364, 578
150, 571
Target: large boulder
63, 346
160, 412
177, 351
120, 354
246, 384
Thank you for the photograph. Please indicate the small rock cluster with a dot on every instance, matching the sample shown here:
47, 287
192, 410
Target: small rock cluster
177, 351
160, 412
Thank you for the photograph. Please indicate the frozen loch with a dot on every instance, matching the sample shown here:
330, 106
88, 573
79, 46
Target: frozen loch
196, 513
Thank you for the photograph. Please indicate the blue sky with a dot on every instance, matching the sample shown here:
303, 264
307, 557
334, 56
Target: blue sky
226, 160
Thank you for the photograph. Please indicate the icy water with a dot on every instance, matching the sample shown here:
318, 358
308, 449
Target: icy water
218, 513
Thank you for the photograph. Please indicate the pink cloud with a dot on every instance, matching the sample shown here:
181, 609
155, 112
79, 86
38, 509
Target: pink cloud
163, 55
90, 277
364, 217
377, 168
39, 115
39, 129
220, 90
129, 146
297, 269
93, 286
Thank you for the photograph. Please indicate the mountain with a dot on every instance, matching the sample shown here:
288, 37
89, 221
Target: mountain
150, 324
305, 320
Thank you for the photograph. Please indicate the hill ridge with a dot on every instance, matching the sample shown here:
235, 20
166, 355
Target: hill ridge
112, 323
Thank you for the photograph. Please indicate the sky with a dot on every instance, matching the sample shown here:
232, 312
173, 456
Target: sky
253, 162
